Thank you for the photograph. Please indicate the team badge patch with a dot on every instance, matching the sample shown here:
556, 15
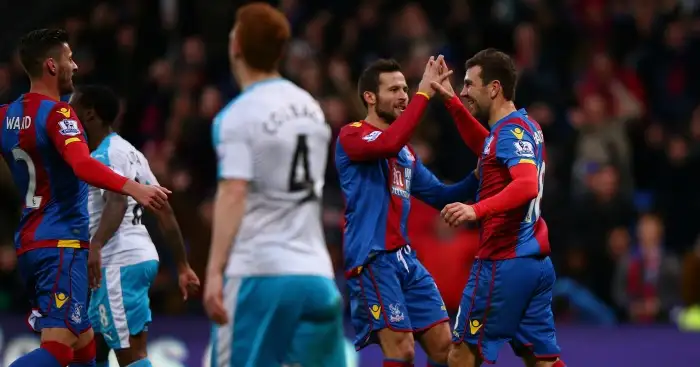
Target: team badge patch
524, 149
68, 127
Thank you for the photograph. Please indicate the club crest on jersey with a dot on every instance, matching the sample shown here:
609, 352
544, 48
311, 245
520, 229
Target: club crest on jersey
64, 111
487, 145
68, 127
401, 181
408, 153
372, 136
524, 149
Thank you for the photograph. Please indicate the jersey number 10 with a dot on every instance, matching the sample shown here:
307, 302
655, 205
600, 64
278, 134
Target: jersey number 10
299, 174
30, 200
533, 212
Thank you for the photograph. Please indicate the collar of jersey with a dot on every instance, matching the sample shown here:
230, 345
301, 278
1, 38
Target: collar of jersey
516, 113
105, 141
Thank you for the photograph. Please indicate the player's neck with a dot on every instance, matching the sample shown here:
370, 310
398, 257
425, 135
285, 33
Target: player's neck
501, 110
101, 136
42, 88
376, 121
246, 78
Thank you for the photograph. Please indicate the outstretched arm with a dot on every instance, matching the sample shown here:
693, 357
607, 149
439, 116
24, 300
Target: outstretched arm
471, 131
383, 144
429, 189
67, 135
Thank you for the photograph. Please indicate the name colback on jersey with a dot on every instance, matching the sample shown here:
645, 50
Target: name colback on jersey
275, 137
35, 131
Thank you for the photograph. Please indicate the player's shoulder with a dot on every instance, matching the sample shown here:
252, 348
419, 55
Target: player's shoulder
360, 128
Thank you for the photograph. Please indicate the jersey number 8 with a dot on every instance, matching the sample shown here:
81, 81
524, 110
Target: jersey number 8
299, 174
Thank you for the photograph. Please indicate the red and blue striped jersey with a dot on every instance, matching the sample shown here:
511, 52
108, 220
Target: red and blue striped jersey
520, 232
35, 131
378, 193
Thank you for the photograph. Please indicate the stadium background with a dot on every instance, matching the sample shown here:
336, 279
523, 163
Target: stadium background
615, 85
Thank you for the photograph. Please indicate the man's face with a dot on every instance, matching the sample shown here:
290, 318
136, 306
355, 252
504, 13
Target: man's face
65, 68
477, 95
392, 96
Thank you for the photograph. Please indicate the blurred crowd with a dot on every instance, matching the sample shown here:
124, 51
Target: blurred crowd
614, 84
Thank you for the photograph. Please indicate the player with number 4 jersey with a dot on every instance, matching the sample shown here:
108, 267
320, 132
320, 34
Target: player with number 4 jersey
270, 286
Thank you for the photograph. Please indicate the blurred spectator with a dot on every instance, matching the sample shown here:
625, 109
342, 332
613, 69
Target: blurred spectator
647, 284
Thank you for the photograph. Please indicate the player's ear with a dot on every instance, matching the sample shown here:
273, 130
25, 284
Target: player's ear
494, 88
51, 66
369, 97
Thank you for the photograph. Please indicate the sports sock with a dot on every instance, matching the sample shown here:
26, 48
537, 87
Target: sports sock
396, 363
85, 356
141, 363
50, 354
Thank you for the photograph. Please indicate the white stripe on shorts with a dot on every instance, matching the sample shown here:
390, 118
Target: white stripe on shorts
113, 280
224, 334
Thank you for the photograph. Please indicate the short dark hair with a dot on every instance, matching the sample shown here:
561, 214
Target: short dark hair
100, 98
263, 33
496, 65
37, 46
369, 79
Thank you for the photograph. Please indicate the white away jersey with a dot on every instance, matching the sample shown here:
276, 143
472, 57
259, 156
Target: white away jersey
274, 135
131, 243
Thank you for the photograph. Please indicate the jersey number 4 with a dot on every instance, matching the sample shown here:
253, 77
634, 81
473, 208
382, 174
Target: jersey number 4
299, 174
533, 212
30, 200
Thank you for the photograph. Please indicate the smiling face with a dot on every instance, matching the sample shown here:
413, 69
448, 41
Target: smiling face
477, 95
391, 97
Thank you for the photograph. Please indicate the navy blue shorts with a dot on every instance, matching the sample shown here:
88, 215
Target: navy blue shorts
508, 301
393, 291
56, 279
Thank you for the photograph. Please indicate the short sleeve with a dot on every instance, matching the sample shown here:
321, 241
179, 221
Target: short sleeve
120, 163
63, 127
515, 145
231, 138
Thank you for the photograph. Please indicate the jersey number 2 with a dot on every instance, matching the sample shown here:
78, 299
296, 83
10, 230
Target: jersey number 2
299, 174
30, 200
533, 212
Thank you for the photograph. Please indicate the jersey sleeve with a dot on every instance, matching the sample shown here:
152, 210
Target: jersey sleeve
515, 145
63, 127
428, 188
231, 137
149, 176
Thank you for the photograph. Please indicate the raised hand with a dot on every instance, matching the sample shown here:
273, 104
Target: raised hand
433, 74
444, 88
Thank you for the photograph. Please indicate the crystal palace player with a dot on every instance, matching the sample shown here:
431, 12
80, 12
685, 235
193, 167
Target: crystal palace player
392, 294
509, 293
43, 143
